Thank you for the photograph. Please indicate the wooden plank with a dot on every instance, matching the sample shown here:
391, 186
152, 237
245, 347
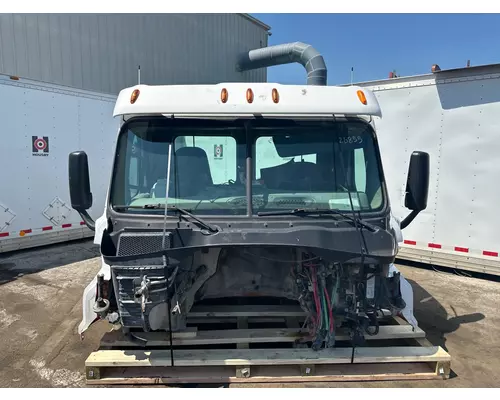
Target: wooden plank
161, 358
239, 336
266, 374
231, 336
234, 320
292, 322
391, 332
243, 325
207, 357
399, 354
443, 369
422, 341
189, 332
115, 338
123, 366
246, 311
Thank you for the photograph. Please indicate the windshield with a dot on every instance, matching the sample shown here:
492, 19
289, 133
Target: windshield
294, 164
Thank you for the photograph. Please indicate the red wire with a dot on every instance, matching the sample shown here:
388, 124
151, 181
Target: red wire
316, 320
329, 309
317, 301
313, 328
316, 296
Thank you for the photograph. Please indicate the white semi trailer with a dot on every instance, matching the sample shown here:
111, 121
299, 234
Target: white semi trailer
454, 115
41, 123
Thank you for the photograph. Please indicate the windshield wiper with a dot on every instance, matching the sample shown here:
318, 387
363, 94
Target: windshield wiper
319, 212
181, 211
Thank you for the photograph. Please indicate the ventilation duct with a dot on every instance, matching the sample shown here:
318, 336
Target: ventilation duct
288, 53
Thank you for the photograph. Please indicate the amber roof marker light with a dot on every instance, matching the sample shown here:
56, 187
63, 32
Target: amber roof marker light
435, 68
134, 96
276, 96
249, 95
224, 95
362, 97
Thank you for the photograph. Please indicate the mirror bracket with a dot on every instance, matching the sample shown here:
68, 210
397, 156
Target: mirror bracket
87, 219
409, 218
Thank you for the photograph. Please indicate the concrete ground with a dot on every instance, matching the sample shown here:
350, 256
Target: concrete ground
40, 293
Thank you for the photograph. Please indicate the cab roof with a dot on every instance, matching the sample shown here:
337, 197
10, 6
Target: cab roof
208, 100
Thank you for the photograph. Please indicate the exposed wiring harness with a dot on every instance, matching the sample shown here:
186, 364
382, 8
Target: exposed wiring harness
322, 287
327, 290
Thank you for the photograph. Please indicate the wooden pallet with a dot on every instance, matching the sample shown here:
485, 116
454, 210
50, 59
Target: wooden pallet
256, 344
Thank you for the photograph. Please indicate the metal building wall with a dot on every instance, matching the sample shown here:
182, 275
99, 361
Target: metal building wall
101, 52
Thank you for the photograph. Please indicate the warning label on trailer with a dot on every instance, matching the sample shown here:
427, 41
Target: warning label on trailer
40, 145
218, 151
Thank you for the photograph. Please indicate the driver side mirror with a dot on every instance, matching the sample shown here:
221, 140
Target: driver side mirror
417, 186
79, 186
417, 183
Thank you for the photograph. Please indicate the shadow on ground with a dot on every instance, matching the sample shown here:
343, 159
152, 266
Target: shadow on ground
16, 264
433, 318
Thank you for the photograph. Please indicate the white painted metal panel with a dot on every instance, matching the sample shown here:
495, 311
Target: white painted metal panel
402, 131
98, 133
454, 117
35, 183
13, 156
469, 192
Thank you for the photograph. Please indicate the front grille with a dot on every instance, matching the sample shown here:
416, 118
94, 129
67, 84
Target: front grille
132, 244
127, 280
128, 275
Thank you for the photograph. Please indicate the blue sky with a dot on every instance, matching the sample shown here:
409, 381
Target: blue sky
375, 44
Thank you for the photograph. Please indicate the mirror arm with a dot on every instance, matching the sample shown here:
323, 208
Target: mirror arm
409, 218
87, 219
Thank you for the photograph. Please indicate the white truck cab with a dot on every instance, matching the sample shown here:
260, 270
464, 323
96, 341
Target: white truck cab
247, 190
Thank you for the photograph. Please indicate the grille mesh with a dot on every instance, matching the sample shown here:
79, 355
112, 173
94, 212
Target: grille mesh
131, 244
293, 201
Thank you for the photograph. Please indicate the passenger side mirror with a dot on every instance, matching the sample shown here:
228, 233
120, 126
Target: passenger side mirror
79, 185
417, 185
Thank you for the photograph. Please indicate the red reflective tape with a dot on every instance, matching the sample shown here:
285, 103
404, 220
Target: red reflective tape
26, 230
66, 225
82, 223
490, 253
4, 234
434, 245
47, 228
462, 249
412, 242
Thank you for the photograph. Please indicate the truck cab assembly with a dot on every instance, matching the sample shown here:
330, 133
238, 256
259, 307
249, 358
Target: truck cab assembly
247, 192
